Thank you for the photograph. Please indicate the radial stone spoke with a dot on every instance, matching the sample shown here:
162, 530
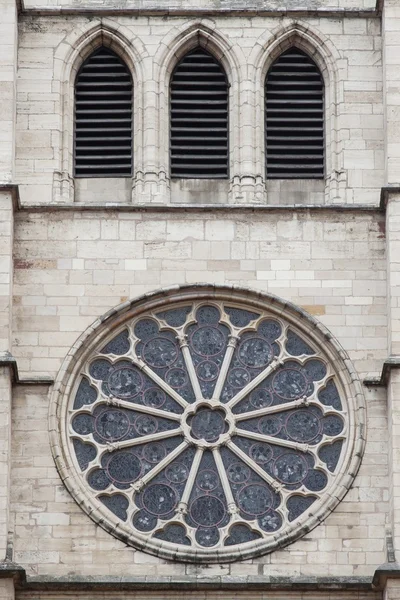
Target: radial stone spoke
160, 382
256, 468
224, 480
190, 481
260, 437
190, 367
162, 464
270, 410
254, 383
155, 437
148, 410
232, 343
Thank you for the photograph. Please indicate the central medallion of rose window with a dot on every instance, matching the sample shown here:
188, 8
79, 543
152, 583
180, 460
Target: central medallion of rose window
208, 427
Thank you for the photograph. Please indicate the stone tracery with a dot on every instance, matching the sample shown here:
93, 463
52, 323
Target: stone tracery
208, 426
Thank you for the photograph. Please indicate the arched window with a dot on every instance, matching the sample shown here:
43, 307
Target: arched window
199, 118
103, 117
294, 107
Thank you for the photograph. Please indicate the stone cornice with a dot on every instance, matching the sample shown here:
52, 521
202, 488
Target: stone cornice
8, 360
157, 11
185, 583
385, 194
389, 570
13, 189
248, 584
393, 362
9, 569
176, 208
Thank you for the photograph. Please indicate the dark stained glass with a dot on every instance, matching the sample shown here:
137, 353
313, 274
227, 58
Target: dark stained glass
84, 453
86, 394
329, 396
239, 317
208, 424
175, 317
299, 504
159, 499
239, 534
176, 534
125, 382
297, 346
119, 345
124, 467
202, 412
144, 521
118, 504
330, 454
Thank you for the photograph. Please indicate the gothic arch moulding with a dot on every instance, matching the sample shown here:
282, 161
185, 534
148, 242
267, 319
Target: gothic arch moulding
173, 47
181, 40
69, 56
319, 47
207, 423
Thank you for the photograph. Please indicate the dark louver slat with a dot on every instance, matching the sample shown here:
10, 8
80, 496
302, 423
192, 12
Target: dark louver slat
294, 118
199, 118
103, 117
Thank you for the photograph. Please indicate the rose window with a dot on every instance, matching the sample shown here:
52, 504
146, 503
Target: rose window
209, 428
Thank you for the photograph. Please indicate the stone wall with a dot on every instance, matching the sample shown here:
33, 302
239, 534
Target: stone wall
54, 537
71, 266
347, 50
74, 263
207, 5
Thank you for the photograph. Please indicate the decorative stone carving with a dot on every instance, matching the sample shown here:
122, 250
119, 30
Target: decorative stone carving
207, 425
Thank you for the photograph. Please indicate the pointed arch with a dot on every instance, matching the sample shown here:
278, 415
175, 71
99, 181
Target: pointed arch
328, 60
70, 54
204, 34
319, 47
294, 117
83, 40
175, 45
103, 116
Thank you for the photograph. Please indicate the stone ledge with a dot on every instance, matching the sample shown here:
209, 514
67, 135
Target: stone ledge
9, 570
13, 189
76, 583
155, 10
389, 570
92, 207
393, 362
385, 193
8, 360
250, 583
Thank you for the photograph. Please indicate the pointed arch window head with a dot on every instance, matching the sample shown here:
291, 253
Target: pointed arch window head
103, 117
199, 118
294, 96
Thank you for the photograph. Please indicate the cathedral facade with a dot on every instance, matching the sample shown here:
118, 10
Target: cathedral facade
200, 270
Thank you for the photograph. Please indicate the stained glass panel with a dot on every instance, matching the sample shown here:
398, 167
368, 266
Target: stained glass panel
208, 425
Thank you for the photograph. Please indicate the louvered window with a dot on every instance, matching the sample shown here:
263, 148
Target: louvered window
294, 118
103, 117
199, 118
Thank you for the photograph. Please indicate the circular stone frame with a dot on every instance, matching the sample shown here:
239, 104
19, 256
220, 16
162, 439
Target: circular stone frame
97, 334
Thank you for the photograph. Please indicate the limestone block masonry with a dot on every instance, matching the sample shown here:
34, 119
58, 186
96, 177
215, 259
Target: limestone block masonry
73, 249
347, 51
